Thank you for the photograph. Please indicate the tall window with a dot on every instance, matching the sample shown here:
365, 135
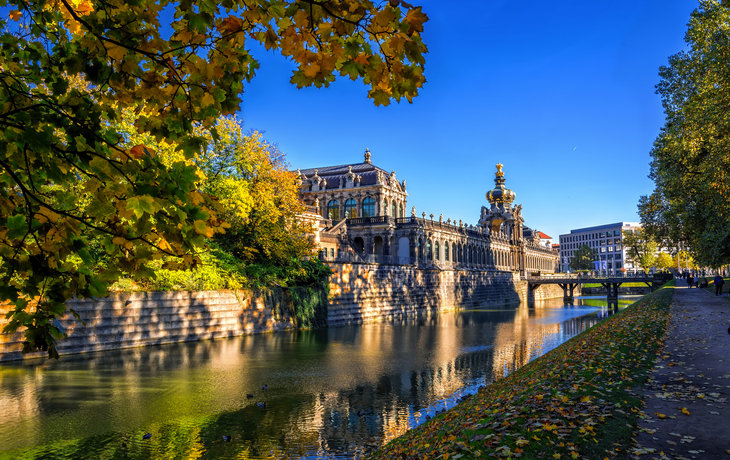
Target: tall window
401, 211
420, 250
333, 210
446, 252
351, 208
429, 254
368, 207
385, 206
436, 250
392, 209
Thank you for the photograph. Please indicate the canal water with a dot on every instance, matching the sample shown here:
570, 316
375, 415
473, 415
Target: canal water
330, 393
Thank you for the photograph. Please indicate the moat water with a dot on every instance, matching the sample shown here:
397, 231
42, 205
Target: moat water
332, 393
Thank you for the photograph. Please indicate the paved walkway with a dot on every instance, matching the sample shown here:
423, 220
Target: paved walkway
688, 415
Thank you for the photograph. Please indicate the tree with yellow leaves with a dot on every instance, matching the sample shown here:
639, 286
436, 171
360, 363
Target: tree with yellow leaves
69, 177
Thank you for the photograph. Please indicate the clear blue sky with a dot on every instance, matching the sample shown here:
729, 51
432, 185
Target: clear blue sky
561, 93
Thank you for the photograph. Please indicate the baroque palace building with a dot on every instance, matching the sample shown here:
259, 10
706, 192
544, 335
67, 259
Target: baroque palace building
359, 211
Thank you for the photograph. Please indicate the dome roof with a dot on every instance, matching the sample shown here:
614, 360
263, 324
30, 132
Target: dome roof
500, 194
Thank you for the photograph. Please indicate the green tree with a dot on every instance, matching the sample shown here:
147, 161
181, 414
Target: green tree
664, 261
690, 205
641, 249
582, 259
68, 178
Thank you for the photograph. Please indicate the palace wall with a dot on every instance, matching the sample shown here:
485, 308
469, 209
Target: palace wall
358, 293
371, 292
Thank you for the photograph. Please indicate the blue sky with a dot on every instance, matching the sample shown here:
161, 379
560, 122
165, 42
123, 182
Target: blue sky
561, 93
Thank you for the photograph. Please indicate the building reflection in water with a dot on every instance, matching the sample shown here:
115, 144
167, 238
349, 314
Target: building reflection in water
332, 392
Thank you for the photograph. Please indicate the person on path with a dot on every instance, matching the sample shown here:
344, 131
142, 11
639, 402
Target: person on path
690, 280
718, 284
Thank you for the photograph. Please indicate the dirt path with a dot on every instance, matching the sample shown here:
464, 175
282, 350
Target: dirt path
687, 411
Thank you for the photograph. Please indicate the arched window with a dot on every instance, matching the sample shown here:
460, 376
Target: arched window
429, 254
420, 250
385, 207
351, 208
368, 207
401, 210
333, 210
446, 252
436, 250
392, 209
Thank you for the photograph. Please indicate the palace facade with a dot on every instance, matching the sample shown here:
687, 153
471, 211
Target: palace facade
361, 215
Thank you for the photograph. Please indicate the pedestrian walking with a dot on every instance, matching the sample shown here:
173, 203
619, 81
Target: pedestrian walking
690, 280
718, 284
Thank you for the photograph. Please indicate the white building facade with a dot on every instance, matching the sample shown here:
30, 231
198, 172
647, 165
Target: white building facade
605, 240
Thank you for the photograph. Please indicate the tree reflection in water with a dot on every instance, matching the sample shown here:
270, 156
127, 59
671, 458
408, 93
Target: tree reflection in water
189, 395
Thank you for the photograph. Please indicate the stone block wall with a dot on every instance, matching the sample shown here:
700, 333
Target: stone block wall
370, 292
358, 293
148, 318
551, 291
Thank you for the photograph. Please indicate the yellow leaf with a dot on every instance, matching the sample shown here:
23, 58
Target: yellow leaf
15, 15
685, 411
662, 416
207, 100
311, 70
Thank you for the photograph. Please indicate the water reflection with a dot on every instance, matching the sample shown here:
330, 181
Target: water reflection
331, 393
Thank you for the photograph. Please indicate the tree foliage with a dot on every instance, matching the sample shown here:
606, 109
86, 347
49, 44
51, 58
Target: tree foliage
641, 249
582, 259
684, 261
690, 205
664, 261
260, 201
70, 180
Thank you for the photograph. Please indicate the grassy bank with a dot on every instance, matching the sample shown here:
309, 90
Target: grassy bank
579, 401
631, 284
711, 286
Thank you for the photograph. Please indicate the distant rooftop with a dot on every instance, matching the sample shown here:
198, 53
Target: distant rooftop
604, 227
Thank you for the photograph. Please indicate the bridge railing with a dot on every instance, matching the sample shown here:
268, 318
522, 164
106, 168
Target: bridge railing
591, 276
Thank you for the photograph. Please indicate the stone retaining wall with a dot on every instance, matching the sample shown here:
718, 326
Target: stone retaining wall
362, 292
358, 293
552, 291
148, 318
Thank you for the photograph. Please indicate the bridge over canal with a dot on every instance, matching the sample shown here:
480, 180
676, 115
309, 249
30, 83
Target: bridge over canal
611, 283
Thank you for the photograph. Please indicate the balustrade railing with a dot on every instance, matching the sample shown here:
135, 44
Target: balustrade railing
370, 220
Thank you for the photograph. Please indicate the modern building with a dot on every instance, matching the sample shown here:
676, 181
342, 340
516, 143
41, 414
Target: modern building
361, 210
605, 240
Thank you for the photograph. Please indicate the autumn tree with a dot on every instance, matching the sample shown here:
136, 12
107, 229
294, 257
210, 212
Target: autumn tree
683, 260
68, 69
690, 206
641, 249
664, 261
260, 201
582, 259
